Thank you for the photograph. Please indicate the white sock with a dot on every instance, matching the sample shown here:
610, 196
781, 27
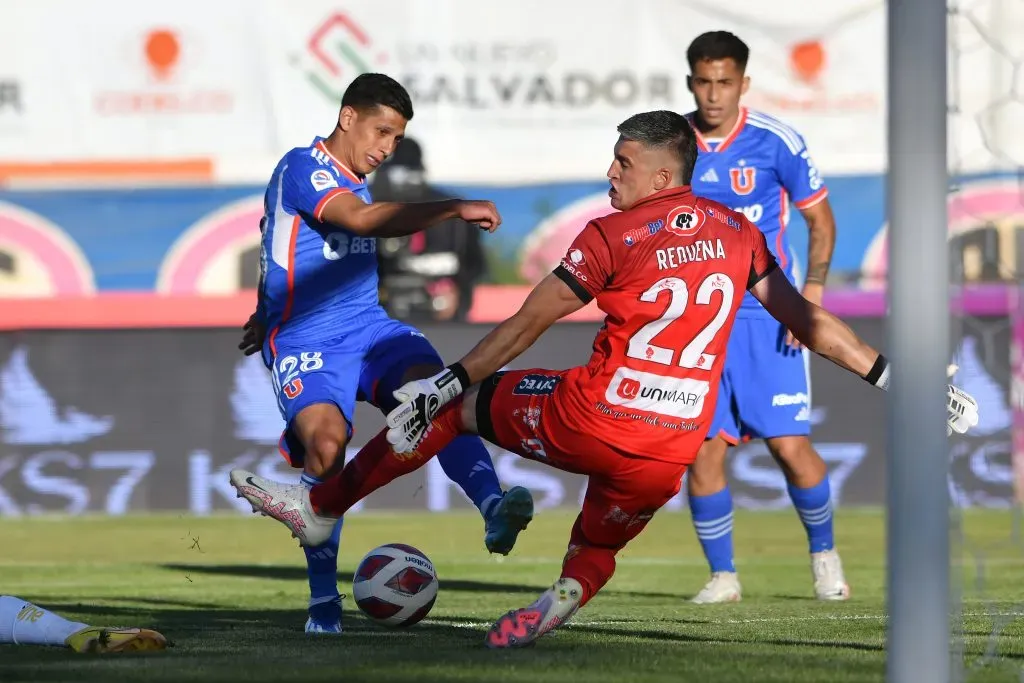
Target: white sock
23, 623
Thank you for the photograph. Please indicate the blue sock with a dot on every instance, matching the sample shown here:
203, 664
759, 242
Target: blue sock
814, 505
712, 518
467, 462
322, 560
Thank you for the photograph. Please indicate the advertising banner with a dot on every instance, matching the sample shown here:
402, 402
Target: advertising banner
501, 97
129, 421
187, 241
184, 80
505, 93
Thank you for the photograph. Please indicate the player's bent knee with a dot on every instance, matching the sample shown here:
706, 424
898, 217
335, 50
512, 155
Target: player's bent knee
327, 445
793, 450
710, 457
799, 461
325, 453
707, 473
323, 431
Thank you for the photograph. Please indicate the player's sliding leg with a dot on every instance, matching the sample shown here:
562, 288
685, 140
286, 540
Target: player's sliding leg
310, 514
22, 623
615, 511
808, 484
377, 464
464, 460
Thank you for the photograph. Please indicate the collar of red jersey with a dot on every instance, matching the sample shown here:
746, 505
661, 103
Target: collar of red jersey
667, 193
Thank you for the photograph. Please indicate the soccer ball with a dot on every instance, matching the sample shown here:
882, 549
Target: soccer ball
395, 585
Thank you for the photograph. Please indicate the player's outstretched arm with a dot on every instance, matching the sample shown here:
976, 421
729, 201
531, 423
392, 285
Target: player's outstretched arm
421, 400
816, 328
550, 301
831, 338
396, 219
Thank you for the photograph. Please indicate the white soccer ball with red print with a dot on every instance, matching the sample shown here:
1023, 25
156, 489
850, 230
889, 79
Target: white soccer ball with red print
395, 585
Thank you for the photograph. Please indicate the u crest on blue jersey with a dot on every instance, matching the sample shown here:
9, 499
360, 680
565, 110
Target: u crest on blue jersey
743, 179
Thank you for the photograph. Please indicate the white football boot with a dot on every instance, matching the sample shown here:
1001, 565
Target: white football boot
287, 503
722, 587
553, 608
829, 581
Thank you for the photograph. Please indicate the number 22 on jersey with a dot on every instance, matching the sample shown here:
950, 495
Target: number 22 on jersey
641, 345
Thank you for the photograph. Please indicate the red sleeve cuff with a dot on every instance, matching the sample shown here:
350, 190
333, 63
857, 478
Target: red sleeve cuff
318, 212
812, 200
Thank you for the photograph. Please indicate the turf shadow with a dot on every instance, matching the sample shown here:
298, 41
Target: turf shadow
293, 573
286, 573
650, 634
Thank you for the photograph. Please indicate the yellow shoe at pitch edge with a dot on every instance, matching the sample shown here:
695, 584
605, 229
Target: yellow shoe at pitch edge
98, 640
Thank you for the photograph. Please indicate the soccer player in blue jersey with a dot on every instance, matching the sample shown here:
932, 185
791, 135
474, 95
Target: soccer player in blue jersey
322, 332
757, 164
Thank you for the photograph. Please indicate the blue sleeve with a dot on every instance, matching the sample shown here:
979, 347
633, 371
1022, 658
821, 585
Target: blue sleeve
308, 183
797, 172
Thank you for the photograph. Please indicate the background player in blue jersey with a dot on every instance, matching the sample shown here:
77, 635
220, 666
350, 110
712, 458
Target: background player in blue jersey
321, 330
758, 165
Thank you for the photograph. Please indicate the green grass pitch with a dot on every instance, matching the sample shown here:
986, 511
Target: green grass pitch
230, 592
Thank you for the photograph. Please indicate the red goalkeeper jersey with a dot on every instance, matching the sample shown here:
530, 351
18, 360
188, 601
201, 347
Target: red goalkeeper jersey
670, 274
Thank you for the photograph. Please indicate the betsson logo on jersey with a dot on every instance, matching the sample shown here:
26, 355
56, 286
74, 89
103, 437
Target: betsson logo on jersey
338, 245
681, 398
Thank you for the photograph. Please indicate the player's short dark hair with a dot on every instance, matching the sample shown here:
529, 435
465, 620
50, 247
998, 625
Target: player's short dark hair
716, 45
369, 91
664, 129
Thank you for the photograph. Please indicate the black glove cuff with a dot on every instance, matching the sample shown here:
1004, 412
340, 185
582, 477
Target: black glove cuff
460, 374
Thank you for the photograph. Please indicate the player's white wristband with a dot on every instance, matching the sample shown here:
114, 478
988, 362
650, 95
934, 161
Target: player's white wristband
878, 375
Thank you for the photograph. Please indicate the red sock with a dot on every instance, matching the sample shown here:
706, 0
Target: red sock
377, 464
591, 565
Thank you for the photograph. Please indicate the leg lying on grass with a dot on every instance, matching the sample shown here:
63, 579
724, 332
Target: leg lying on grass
22, 623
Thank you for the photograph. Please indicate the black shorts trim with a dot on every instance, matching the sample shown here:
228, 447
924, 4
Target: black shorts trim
578, 289
484, 423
